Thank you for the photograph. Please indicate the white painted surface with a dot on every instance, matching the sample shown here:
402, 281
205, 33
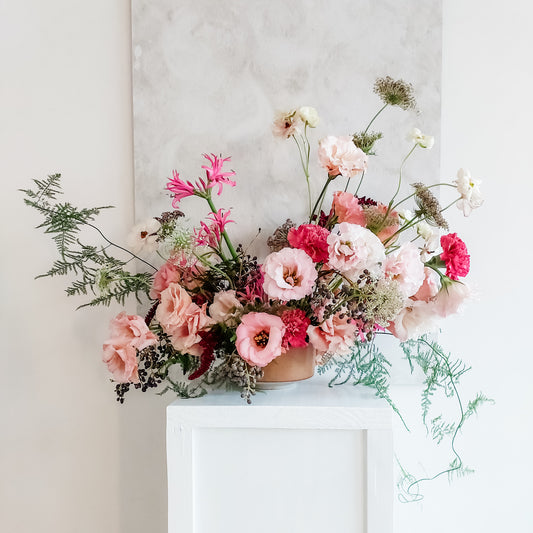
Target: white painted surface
71, 460
282, 463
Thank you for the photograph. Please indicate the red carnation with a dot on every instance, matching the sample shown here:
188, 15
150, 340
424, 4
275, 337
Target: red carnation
296, 324
312, 240
455, 255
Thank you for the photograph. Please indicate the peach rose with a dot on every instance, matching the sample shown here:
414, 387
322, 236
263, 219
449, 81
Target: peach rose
133, 330
347, 208
121, 360
259, 337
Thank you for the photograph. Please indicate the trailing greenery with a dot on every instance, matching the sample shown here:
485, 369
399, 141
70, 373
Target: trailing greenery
98, 273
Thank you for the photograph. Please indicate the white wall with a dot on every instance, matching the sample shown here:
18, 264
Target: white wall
71, 459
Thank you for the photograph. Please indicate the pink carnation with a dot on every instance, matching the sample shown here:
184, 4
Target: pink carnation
121, 360
296, 324
455, 255
290, 274
347, 208
334, 335
259, 337
312, 239
340, 156
167, 274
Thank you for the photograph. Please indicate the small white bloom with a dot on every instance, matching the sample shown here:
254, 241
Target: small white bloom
309, 116
431, 237
424, 141
406, 215
468, 188
143, 237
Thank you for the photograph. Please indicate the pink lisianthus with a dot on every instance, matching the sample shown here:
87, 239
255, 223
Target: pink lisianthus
167, 274
340, 156
182, 319
333, 335
132, 329
415, 319
450, 298
296, 324
430, 286
215, 176
121, 360
353, 249
347, 209
312, 239
290, 274
259, 337
405, 267
455, 255
225, 306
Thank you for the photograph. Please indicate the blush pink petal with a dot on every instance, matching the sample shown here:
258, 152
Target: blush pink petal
121, 360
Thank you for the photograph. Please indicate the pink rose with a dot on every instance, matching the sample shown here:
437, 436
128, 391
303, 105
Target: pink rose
167, 274
340, 156
312, 239
353, 249
347, 208
430, 286
455, 255
224, 306
450, 298
182, 319
131, 329
334, 335
415, 319
290, 274
405, 267
121, 360
259, 337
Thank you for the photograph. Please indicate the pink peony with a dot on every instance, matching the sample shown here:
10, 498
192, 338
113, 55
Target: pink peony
182, 319
290, 274
224, 306
430, 286
296, 324
131, 329
353, 249
334, 335
450, 298
167, 274
259, 337
347, 208
340, 156
121, 360
405, 267
312, 239
415, 319
455, 255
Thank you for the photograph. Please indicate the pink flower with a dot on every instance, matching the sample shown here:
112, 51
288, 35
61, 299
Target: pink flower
259, 338
180, 188
224, 307
167, 274
182, 319
340, 156
296, 324
214, 173
353, 249
290, 274
415, 319
121, 360
312, 239
455, 255
347, 208
131, 329
286, 124
334, 335
406, 268
450, 298
430, 286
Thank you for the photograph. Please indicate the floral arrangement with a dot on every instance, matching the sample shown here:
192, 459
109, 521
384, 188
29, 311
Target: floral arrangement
353, 270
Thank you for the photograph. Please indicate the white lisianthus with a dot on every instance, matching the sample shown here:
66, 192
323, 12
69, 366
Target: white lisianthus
309, 116
143, 237
424, 141
468, 188
431, 237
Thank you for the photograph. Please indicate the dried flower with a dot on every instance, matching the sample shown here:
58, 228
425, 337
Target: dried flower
365, 140
395, 92
278, 240
429, 206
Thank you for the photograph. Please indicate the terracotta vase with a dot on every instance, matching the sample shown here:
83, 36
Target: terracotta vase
296, 364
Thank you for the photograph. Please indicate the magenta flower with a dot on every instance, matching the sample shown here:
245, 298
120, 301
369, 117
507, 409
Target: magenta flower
220, 220
180, 188
214, 173
455, 255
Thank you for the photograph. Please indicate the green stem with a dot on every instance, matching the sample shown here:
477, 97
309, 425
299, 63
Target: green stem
305, 162
375, 117
224, 234
320, 198
360, 181
427, 187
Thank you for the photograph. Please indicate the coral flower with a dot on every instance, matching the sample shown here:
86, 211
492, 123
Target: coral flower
348, 209
259, 337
